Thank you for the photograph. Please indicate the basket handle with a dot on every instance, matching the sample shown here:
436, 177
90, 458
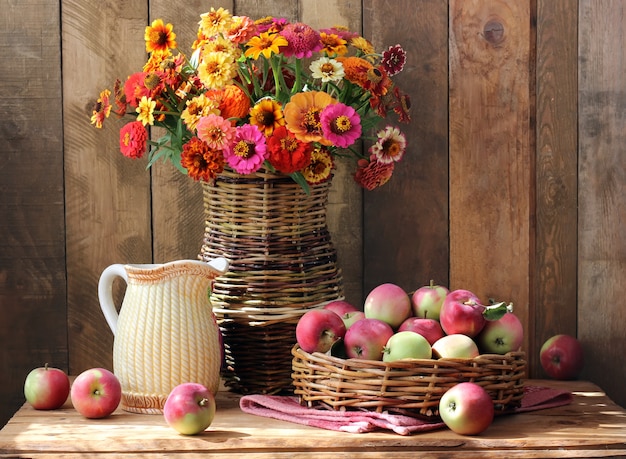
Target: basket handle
105, 293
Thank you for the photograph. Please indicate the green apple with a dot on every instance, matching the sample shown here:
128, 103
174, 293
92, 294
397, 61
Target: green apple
456, 346
406, 345
426, 301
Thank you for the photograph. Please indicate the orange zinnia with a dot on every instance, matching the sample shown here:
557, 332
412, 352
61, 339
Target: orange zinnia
231, 100
302, 115
355, 69
159, 37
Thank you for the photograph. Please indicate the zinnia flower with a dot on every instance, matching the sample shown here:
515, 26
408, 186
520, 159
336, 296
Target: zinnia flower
302, 115
133, 138
216, 69
145, 110
266, 44
267, 114
231, 101
159, 37
286, 153
326, 69
302, 40
201, 162
320, 167
333, 44
341, 124
372, 174
355, 69
215, 131
248, 151
270, 24
390, 146
402, 107
196, 108
135, 88
393, 59
363, 45
102, 109
214, 22
241, 29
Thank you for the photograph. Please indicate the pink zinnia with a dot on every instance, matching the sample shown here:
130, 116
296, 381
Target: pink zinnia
248, 150
135, 88
341, 124
133, 138
390, 146
215, 131
303, 40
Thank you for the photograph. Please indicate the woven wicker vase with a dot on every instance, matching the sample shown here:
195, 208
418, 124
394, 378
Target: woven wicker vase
282, 263
166, 333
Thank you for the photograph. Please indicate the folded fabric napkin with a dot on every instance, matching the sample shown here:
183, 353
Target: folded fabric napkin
287, 408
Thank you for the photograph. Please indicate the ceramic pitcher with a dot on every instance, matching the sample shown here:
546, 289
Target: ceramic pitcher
165, 333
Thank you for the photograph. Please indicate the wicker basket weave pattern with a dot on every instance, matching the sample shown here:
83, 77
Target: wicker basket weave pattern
409, 386
282, 263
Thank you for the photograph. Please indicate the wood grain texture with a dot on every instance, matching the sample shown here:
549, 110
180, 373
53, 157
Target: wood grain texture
490, 158
601, 197
556, 173
405, 222
33, 329
107, 195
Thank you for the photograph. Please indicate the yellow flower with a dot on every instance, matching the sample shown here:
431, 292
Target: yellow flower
159, 37
215, 21
266, 43
196, 108
216, 70
267, 114
145, 110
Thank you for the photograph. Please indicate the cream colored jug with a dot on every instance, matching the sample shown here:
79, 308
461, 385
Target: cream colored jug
165, 333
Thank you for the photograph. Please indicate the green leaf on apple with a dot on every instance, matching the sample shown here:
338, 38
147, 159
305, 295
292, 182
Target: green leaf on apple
496, 310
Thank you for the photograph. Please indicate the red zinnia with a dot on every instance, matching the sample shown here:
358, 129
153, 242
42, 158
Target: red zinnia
201, 161
372, 174
286, 153
133, 138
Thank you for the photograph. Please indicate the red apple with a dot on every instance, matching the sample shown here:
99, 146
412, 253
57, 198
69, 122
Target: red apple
456, 346
462, 312
501, 336
389, 303
318, 329
189, 408
426, 301
341, 307
562, 357
96, 393
406, 345
366, 339
46, 388
428, 328
466, 409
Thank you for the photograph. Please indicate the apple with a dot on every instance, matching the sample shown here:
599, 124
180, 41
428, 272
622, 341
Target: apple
562, 357
318, 329
501, 336
466, 408
367, 338
350, 318
428, 328
462, 312
341, 307
426, 301
406, 345
46, 388
189, 408
389, 303
96, 393
455, 346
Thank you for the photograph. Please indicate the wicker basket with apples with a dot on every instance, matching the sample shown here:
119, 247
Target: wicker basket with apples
403, 351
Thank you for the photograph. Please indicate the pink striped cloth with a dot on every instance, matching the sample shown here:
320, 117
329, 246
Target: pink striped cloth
287, 408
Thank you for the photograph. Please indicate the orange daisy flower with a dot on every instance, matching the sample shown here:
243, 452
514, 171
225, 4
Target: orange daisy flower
302, 115
159, 37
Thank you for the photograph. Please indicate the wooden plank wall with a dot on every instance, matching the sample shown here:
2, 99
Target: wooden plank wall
512, 185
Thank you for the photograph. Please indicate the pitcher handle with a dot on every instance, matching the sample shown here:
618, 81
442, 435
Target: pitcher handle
105, 293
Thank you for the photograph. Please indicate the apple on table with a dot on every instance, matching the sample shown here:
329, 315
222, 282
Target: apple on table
189, 408
562, 357
96, 393
46, 388
466, 408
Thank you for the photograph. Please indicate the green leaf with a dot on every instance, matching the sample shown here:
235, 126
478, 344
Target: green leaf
497, 310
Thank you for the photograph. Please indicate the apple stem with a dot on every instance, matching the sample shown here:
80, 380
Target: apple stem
203, 402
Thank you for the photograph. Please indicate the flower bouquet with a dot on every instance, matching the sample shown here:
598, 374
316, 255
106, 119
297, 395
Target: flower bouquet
259, 112
262, 94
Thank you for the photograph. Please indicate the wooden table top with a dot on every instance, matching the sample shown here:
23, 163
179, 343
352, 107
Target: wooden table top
591, 426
